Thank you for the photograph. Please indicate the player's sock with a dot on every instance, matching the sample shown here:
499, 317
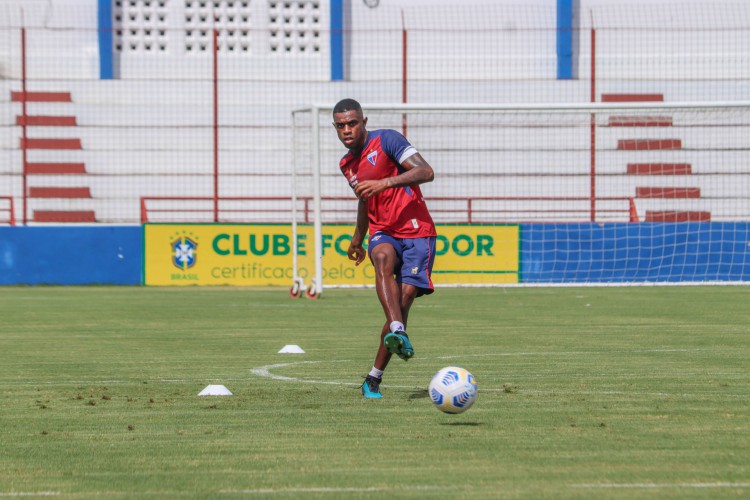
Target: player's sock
376, 373
397, 326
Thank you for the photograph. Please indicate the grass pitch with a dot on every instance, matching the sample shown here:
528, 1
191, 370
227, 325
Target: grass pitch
584, 392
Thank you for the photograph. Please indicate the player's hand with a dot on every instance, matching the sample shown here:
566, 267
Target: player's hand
356, 253
366, 189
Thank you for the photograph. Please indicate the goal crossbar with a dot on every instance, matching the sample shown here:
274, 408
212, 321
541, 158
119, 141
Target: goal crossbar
568, 107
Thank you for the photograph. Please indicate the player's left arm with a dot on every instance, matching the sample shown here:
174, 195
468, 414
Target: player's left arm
416, 171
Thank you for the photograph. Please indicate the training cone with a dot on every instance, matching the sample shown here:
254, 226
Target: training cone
215, 390
291, 349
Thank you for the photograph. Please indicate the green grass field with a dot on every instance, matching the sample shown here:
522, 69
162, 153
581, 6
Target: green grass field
584, 392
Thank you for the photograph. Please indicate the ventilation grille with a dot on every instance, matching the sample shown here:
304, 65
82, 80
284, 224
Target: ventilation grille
294, 26
232, 19
140, 25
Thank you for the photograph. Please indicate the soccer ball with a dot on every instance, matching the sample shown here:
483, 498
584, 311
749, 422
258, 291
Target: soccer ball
453, 389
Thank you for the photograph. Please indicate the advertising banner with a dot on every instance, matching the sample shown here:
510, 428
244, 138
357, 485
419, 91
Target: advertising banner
261, 255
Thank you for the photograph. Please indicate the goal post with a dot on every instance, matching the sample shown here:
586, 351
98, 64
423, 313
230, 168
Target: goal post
521, 165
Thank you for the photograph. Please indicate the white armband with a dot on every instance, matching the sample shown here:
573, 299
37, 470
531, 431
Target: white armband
408, 153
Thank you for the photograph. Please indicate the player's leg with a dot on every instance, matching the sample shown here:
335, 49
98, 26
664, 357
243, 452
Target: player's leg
398, 341
385, 258
383, 356
371, 385
407, 293
413, 278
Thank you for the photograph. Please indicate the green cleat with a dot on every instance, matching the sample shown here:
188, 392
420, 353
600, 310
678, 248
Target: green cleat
398, 343
371, 388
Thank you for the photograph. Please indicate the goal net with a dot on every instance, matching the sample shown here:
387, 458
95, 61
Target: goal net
588, 193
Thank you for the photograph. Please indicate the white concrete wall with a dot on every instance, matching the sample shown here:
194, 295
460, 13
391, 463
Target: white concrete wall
507, 39
150, 132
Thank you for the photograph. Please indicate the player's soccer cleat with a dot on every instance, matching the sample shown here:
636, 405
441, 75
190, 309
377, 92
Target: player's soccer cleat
398, 343
371, 387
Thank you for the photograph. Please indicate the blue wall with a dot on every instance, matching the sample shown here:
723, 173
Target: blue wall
565, 16
643, 252
71, 255
338, 41
106, 35
550, 253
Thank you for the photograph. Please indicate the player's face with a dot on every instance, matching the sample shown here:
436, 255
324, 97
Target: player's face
350, 127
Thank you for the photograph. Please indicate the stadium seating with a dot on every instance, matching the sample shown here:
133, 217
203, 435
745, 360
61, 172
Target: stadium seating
96, 147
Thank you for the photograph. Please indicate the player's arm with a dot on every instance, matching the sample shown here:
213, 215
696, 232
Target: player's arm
416, 171
356, 251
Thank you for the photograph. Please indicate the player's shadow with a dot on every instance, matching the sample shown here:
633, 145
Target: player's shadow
463, 424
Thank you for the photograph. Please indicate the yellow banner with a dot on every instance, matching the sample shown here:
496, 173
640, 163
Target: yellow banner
476, 254
259, 255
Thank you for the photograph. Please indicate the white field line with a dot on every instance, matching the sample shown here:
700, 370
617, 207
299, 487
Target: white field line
655, 486
15, 494
114, 382
265, 372
372, 489
565, 353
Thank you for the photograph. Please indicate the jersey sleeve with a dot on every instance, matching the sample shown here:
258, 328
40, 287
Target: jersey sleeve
396, 146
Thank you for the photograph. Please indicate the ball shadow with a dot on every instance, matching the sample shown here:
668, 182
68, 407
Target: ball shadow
420, 394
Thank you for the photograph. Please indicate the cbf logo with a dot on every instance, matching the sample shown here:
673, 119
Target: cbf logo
184, 252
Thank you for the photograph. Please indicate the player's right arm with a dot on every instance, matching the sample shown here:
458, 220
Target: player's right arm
356, 251
413, 168
416, 171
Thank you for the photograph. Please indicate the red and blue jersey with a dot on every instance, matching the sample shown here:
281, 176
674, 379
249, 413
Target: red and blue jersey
400, 212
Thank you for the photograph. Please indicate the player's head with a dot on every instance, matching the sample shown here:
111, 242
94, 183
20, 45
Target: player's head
350, 124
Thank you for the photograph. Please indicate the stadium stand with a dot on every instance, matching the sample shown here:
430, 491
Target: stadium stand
94, 148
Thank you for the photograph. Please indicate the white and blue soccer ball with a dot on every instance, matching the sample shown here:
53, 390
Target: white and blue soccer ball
453, 389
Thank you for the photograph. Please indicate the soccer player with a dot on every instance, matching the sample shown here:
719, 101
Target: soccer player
385, 171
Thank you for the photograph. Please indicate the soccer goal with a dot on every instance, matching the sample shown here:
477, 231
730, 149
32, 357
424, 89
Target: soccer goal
515, 185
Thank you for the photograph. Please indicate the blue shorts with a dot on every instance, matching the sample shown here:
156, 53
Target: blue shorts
416, 257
